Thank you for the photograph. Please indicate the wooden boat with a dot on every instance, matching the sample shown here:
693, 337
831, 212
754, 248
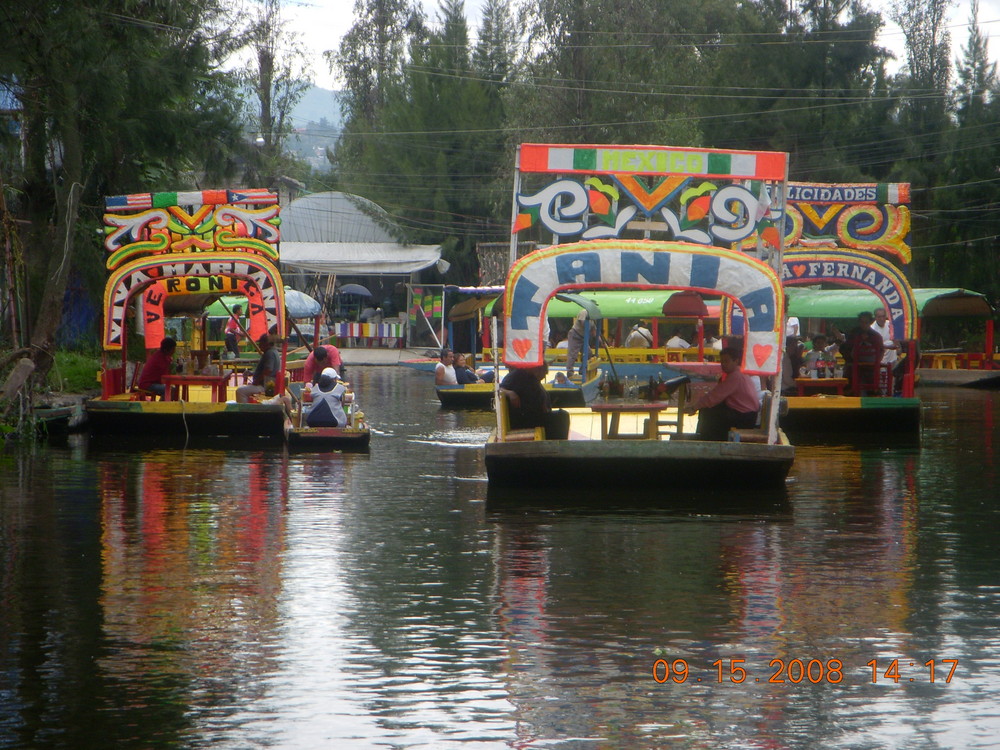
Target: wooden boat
329, 438
840, 236
218, 242
59, 420
661, 450
480, 395
355, 436
935, 367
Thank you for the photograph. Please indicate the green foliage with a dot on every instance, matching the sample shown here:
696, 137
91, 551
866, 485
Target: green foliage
74, 372
435, 145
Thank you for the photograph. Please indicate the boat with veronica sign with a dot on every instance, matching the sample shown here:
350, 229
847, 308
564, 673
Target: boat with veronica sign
171, 252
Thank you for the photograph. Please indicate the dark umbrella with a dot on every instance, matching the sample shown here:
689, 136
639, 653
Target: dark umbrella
355, 289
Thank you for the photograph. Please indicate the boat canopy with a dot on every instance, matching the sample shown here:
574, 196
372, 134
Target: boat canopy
358, 258
645, 304
298, 305
847, 303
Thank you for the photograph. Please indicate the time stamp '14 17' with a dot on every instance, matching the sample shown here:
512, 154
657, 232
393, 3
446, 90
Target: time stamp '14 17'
781, 671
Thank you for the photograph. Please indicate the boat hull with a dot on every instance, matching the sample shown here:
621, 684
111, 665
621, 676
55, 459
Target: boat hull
329, 438
161, 418
810, 416
934, 376
633, 464
480, 395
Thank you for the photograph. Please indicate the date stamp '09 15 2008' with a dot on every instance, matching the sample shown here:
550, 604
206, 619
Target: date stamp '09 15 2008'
783, 671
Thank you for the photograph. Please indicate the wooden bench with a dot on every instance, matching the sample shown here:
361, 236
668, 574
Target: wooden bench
506, 434
754, 434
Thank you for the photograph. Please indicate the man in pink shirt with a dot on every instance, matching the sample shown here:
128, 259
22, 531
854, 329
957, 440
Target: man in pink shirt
315, 363
734, 402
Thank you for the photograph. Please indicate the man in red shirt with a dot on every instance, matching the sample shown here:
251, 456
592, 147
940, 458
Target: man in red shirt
734, 402
316, 362
157, 365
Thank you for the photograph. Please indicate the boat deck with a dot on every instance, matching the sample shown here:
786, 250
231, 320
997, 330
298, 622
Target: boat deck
585, 424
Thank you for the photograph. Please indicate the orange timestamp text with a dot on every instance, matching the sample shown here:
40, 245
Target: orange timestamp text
795, 671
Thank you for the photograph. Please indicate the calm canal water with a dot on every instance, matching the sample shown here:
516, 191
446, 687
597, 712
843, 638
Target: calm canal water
207, 597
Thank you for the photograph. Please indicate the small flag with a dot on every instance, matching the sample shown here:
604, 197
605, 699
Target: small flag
525, 219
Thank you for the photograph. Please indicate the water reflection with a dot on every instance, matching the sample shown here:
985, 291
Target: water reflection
233, 598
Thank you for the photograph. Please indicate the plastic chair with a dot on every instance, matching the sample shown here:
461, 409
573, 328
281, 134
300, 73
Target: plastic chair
866, 365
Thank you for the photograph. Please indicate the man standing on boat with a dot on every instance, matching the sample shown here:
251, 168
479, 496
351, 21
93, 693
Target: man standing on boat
575, 340
733, 402
234, 331
883, 328
323, 356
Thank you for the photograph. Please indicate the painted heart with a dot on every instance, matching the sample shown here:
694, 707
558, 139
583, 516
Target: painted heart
761, 352
799, 269
521, 347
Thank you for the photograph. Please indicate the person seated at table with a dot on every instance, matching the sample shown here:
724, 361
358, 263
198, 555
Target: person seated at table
529, 402
157, 364
267, 369
463, 373
676, 341
639, 337
323, 356
733, 402
234, 332
328, 399
821, 355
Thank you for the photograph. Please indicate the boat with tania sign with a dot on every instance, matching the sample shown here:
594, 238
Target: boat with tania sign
631, 441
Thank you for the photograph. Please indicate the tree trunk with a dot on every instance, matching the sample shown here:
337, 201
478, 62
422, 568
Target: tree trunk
67, 191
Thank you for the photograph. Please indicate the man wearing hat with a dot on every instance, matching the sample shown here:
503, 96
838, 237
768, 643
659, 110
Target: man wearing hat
328, 401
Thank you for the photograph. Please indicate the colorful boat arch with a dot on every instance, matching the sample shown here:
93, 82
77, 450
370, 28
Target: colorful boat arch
857, 269
133, 277
643, 264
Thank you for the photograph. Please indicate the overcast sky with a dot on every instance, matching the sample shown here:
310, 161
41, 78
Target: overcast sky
321, 23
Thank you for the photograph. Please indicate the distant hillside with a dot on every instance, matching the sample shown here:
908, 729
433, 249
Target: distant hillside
317, 122
316, 105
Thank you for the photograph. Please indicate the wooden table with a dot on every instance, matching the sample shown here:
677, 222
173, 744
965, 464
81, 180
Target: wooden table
820, 385
218, 384
614, 408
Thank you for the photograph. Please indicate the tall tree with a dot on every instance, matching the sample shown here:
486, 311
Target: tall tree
278, 77
600, 71
803, 79
430, 154
113, 97
923, 115
963, 237
369, 61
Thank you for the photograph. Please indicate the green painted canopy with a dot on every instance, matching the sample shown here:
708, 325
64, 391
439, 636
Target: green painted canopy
614, 304
847, 303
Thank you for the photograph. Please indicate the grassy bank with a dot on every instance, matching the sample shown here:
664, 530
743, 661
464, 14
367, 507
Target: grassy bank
74, 372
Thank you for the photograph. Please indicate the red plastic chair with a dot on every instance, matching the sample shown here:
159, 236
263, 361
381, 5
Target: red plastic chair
866, 366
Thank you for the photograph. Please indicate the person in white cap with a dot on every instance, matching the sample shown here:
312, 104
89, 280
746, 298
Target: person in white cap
328, 401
